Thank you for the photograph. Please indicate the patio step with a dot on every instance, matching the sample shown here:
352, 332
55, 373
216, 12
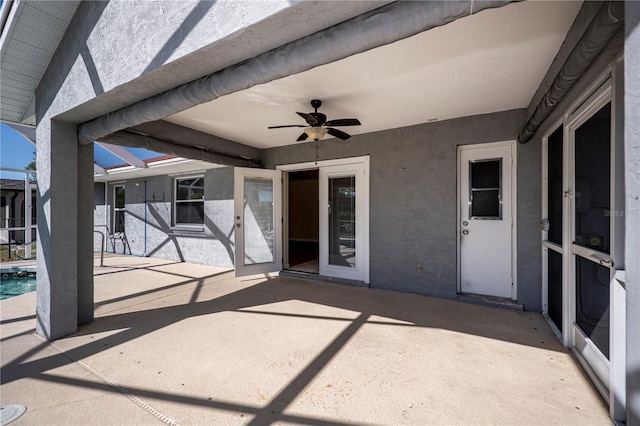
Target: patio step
495, 302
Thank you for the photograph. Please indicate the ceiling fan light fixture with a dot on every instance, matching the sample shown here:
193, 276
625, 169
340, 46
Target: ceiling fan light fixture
315, 133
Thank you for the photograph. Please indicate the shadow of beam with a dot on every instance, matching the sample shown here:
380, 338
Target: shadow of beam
275, 410
183, 399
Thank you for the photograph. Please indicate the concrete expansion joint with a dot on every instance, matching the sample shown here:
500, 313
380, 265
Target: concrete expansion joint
130, 396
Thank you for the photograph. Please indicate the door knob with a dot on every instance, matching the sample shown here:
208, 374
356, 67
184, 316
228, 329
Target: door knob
465, 232
237, 225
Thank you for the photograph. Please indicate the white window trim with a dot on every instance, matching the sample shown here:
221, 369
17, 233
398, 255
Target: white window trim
175, 201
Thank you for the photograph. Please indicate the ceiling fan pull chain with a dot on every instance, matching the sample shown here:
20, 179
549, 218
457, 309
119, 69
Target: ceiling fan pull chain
317, 142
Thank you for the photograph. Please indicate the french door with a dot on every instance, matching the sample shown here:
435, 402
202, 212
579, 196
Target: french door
258, 221
343, 221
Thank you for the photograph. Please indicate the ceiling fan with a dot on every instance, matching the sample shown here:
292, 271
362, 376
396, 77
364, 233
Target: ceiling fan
318, 126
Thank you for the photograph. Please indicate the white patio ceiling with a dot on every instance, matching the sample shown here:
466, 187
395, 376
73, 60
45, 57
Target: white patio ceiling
492, 61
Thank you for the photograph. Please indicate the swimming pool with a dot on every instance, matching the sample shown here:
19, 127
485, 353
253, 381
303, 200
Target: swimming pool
10, 287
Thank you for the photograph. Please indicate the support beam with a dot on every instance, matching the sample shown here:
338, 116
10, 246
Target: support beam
85, 234
65, 230
203, 153
28, 132
97, 170
124, 155
58, 256
367, 31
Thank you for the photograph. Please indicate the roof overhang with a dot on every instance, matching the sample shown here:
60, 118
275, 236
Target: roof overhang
30, 33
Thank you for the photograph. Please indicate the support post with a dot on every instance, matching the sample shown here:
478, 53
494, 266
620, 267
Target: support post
65, 259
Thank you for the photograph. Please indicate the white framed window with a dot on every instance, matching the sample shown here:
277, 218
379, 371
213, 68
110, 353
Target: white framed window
188, 201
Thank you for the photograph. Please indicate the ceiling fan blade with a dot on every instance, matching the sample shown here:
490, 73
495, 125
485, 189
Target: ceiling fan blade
309, 119
343, 122
338, 133
302, 137
286, 125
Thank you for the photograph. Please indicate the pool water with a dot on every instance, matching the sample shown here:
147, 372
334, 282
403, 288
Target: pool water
10, 287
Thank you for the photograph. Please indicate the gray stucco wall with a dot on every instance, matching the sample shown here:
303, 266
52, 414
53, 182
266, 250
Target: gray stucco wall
210, 244
413, 200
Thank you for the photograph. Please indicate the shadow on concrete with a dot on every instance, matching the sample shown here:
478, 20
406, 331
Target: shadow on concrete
401, 310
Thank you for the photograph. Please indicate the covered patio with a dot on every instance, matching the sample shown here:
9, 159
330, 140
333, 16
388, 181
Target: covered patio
181, 343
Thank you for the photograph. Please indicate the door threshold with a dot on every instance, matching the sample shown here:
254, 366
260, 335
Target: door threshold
492, 301
321, 278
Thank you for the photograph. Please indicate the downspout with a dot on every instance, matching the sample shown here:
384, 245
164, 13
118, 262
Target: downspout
379, 27
144, 252
13, 207
144, 201
12, 213
605, 24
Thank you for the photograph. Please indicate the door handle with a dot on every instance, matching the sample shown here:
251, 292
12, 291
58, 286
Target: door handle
603, 262
465, 232
237, 225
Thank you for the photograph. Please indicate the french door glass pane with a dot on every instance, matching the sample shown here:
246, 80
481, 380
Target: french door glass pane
554, 187
258, 221
342, 221
554, 280
592, 302
593, 181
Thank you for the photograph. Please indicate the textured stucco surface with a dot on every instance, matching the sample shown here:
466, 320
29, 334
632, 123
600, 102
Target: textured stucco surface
632, 208
210, 244
120, 52
58, 225
113, 54
413, 200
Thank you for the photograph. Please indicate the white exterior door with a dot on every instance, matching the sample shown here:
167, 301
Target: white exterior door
344, 205
486, 219
258, 221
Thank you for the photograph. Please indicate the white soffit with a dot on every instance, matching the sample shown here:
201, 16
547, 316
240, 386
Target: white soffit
492, 61
29, 38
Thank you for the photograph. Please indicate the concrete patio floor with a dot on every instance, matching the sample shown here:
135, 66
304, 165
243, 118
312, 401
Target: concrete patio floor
190, 344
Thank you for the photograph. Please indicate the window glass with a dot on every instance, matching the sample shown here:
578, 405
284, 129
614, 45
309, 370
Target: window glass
189, 201
259, 225
592, 194
190, 189
342, 221
592, 302
118, 209
485, 189
119, 191
190, 213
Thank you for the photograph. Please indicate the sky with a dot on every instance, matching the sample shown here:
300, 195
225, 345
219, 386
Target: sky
15, 151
